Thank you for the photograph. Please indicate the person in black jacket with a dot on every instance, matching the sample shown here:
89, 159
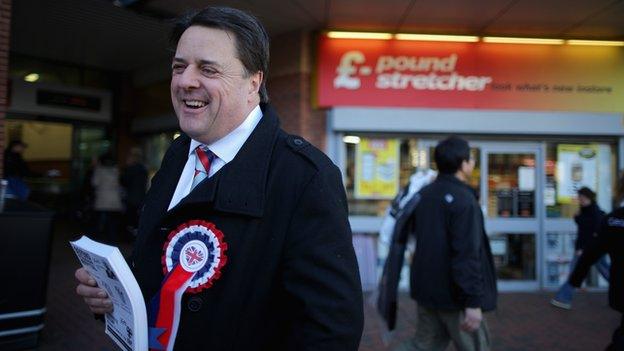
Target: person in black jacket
250, 221
587, 220
452, 273
610, 240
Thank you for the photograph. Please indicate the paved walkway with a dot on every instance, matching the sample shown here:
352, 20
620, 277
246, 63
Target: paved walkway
524, 321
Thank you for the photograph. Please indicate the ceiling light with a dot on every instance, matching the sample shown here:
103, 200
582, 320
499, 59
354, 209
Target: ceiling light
351, 139
595, 42
359, 35
509, 40
32, 77
435, 37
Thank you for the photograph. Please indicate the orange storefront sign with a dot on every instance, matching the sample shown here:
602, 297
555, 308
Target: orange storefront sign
398, 73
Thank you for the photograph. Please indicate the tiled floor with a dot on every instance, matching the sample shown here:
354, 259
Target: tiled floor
524, 321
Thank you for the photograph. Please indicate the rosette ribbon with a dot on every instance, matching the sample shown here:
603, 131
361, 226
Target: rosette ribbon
193, 256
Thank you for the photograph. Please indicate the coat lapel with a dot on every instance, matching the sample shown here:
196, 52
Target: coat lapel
239, 187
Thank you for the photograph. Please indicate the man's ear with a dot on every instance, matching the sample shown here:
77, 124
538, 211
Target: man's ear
255, 83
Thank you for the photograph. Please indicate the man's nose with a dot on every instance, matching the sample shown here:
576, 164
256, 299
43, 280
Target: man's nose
189, 78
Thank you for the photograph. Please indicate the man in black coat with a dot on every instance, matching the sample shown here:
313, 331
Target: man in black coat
285, 276
452, 273
610, 240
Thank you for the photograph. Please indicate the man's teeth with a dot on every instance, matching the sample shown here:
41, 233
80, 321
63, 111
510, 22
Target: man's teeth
194, 103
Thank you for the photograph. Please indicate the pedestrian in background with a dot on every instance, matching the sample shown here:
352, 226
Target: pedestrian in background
587, 221
609, 240
134, 182
16, 169
107, 203
452, 273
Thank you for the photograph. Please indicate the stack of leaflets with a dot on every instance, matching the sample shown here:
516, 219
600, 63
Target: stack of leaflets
127, 324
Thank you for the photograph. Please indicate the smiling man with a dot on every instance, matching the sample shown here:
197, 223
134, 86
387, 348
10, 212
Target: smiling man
250, 223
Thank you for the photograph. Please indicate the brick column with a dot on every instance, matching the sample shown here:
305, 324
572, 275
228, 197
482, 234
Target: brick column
289, 86
5, 28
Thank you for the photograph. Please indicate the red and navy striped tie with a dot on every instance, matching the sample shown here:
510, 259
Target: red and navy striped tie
204, 158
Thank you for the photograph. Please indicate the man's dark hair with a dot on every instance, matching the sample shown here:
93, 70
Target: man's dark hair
252, 40
588, 193
450, 153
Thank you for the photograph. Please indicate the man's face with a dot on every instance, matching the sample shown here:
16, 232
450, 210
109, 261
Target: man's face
210, 92
584, 201
467, 167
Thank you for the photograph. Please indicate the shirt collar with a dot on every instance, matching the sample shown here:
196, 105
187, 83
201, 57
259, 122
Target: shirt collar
227, 147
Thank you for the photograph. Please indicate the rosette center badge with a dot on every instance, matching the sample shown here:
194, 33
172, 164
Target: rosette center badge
198, 246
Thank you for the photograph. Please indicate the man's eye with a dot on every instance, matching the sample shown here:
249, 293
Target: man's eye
177, 68
209, 71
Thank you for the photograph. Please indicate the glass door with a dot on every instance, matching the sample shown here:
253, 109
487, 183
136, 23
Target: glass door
510, 199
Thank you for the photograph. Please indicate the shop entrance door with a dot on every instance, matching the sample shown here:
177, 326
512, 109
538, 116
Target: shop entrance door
511, 199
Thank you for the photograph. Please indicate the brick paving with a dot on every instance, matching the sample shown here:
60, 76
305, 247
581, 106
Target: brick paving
524, 321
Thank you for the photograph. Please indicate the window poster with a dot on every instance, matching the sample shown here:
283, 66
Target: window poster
577, 166
377, 169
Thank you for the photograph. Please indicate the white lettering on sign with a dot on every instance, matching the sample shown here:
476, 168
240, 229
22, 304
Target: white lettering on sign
346, 69
403, 72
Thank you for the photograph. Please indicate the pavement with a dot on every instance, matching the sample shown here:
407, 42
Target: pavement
523, 321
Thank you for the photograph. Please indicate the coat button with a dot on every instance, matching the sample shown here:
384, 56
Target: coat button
298, 142
194, 304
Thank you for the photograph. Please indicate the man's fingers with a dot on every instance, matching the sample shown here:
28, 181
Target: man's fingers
100, 306
96, 298
98, 303
470, 325
88, 291
84, 277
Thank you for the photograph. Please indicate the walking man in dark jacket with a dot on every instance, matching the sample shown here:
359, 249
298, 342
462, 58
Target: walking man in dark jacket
452, 273
610, 240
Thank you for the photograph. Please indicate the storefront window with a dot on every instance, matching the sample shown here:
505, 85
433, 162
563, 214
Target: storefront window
570, 166
511, 185
48, 156
377, 168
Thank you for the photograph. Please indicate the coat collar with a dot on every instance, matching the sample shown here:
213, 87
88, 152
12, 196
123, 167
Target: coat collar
450, 178
239, 187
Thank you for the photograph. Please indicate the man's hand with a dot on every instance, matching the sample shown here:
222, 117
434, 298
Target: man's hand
472, 320
94, 297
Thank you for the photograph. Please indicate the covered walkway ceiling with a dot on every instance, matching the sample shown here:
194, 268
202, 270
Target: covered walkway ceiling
98, 33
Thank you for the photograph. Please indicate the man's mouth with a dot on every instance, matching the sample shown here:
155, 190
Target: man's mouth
194, 104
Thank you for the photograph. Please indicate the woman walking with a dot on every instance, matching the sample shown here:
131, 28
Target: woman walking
588, 221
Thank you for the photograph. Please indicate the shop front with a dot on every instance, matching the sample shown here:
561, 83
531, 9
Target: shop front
65, 129
537, 135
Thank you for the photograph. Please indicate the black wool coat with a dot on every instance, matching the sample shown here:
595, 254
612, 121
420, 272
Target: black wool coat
291, 281
453, 267
587, 222
610, 240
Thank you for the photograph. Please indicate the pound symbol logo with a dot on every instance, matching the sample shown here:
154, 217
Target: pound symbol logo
346, 70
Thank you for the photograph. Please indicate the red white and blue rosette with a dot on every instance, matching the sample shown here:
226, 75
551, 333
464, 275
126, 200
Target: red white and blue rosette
199, 247
193, 256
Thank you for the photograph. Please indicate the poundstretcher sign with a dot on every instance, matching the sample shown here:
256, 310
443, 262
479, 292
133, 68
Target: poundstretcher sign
397, 73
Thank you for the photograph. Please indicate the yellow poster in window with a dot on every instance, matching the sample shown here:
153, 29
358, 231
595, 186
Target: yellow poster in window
577, 167
376, 168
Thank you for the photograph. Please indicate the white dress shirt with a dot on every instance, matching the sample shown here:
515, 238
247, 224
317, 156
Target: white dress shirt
225, 149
